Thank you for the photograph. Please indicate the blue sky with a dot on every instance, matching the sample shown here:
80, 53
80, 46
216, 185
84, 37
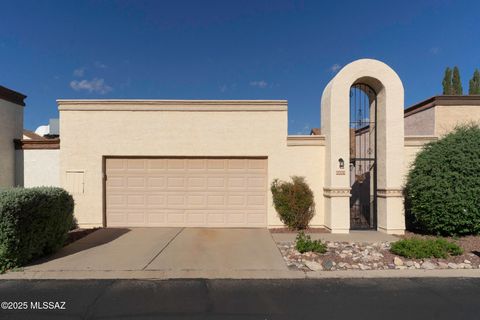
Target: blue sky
226, 49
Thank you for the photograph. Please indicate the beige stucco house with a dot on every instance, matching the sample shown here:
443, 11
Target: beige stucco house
209, 163
11, 128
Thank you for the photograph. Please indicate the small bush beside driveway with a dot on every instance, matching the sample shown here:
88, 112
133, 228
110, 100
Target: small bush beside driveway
33, 222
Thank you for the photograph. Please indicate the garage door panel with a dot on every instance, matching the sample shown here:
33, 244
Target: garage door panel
197, 182
136, 200
176, 164
216, 165
186, 192
176, 200
115, 165
136, 182
259, 165
175, 216
156, 200
136, 164
195, 165
155, 218
116, 182
156, 182
176, 182
135, 217
196, 200
157, 165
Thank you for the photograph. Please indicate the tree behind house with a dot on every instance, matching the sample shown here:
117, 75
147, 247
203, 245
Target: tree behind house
447, 82
456, 82
474, 85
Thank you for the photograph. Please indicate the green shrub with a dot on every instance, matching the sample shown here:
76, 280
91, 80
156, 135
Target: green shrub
33, 222
418, 248
442, 193
294, 202
304, 243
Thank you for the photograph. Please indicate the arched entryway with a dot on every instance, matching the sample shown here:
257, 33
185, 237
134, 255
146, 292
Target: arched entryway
369, 183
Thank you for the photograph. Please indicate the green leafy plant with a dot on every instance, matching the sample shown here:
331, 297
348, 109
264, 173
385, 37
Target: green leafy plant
304, 243
294, 202
443, 185
33, 222
418, 248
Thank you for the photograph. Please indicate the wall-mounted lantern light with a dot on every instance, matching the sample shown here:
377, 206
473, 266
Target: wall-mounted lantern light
341, 163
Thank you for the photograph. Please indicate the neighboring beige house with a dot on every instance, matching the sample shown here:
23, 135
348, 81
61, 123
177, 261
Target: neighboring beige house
39, 159
210, 163
11, 128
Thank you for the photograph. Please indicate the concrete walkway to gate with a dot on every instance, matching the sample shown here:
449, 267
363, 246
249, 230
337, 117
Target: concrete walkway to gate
366, 236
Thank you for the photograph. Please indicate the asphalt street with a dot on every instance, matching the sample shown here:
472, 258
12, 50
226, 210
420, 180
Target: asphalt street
415, 298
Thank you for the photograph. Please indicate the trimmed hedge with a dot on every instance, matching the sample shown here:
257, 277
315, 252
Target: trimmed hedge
294, 202
442, 193
33, 222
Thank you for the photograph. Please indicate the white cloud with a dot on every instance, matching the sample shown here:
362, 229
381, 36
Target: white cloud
335, 68
100, 65
95, 85
79, 72
262, 84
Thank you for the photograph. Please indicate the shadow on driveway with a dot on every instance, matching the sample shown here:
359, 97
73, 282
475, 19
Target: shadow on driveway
95, 239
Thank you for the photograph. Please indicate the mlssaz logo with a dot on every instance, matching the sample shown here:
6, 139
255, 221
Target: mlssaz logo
47, 305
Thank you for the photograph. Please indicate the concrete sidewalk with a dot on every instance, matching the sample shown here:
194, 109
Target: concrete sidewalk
353, 236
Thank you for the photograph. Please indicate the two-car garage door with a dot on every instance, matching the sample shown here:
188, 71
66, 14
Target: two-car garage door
197, 192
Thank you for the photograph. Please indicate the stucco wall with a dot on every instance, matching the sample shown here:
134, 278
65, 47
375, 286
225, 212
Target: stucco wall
413, 145
91, 130
420, 123
447, 117
41, 168
11, 127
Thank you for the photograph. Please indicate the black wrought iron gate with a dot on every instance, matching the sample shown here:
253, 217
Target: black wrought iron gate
363, 157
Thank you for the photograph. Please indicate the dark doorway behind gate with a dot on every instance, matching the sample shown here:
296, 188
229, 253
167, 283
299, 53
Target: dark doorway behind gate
363, 157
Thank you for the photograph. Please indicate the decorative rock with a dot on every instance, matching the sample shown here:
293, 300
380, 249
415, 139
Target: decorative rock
417, 265
397, 261
467, 261
401, 267
314, 266
328, 264
364, 267
354, 266
442, 265
410, 264
452, 265
428, 265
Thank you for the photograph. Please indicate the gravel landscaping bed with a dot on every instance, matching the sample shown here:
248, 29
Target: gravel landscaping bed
375, 256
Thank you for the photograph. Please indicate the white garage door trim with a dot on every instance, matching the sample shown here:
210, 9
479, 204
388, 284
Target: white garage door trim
185, 191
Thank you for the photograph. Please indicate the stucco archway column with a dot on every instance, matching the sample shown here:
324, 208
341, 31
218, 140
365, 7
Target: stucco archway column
335, 110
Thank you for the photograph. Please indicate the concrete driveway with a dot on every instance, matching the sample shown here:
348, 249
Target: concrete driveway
179, 249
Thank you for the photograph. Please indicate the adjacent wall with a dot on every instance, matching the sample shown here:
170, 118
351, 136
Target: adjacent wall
41, 168
91, 130
11, 127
